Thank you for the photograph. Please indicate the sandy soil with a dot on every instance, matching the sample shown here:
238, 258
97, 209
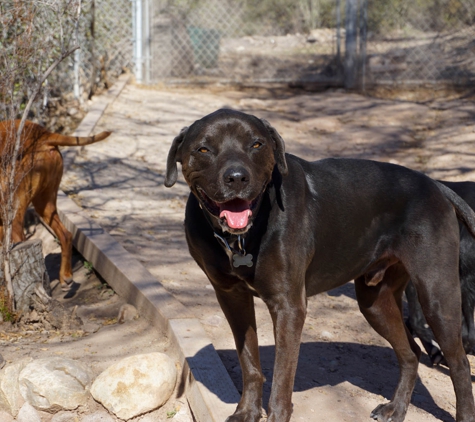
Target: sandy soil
345, 369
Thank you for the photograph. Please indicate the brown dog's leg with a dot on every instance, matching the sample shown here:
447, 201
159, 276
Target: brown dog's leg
238, 307
288, 311
381, 305
45, 206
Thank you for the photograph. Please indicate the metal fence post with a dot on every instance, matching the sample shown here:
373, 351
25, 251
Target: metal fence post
137, 22
147, 13
363, 38
350, 44
338, 30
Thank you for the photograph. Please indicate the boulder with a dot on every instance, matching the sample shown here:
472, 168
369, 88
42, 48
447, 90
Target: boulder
5, 416
136, 385
65, 417
54, 384
10, 397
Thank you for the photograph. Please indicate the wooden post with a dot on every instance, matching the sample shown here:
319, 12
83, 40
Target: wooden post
351, 63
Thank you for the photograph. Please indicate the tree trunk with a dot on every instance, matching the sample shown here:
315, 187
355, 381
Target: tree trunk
29, 275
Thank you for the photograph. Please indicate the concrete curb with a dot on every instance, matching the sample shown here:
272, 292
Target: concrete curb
208, 387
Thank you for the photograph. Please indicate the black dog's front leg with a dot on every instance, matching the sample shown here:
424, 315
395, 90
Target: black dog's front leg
288, 312
238, 307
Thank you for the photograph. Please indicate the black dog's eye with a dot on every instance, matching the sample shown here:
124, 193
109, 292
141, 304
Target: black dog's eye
256, 145
203, 150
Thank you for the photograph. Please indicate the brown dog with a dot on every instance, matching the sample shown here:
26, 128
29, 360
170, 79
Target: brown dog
38, 175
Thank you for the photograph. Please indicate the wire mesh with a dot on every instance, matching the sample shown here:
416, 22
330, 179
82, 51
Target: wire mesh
106, 40
243, 41
399, 41
420, 41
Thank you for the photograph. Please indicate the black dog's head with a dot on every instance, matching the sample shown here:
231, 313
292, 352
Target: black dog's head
227, 160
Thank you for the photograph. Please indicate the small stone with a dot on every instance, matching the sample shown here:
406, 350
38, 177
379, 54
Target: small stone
127, 312
333, 366
10, 397
91, 327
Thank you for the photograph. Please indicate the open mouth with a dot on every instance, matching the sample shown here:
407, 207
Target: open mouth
235, 213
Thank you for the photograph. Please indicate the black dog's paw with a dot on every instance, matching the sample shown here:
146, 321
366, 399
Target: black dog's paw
244, 417
388, 412
436, 357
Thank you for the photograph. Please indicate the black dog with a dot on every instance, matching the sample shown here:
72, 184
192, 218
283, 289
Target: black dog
265, 223
416, 321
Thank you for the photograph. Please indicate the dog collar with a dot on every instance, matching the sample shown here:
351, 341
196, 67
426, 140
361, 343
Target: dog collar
237, 256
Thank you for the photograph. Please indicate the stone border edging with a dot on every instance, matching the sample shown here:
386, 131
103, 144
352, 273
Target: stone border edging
203, 368
207, 385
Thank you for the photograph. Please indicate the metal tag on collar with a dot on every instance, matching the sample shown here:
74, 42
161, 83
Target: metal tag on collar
241, 258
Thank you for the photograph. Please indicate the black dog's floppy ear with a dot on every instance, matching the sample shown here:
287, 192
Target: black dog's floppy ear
279, 152
173, 158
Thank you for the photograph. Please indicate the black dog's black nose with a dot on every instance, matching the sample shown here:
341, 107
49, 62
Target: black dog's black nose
237, 176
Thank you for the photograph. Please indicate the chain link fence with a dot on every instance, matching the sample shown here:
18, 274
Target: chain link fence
322, 42
306, 41
106, 39
420, 41
242, 41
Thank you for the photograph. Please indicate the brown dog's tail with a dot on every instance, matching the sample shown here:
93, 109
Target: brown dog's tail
55, 139
462, 209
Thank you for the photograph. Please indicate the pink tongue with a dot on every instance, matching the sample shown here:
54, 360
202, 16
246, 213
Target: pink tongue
236, 220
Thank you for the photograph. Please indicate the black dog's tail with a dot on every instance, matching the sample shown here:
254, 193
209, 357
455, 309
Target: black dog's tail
462, 209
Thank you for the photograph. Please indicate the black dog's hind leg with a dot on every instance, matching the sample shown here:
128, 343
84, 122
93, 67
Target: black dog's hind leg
381, 305
418, 326
238, 307
468, 304
444, 317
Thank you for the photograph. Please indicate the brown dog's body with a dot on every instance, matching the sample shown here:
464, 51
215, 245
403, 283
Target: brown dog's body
38, 175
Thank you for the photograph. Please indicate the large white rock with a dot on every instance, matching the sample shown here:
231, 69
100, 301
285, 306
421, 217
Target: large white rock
65, 417
136, 385
28, 413
10, 397
53, 384
5, 416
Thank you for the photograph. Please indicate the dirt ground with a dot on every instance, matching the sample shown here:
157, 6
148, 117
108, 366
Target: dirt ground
345, 369
99, 342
